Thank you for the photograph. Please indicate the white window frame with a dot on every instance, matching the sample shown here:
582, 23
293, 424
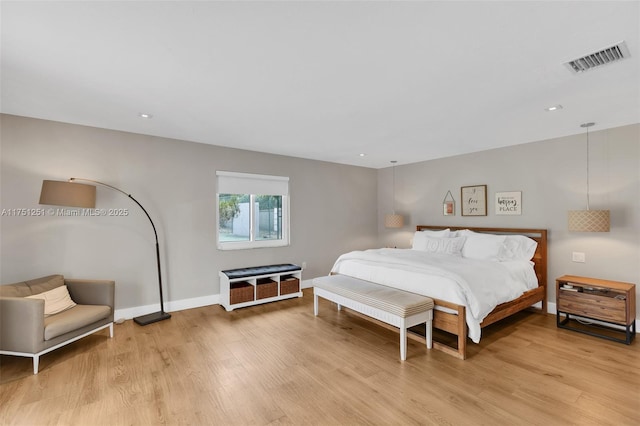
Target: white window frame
252, 184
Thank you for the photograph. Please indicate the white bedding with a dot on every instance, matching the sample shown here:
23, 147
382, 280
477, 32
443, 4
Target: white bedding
479, 285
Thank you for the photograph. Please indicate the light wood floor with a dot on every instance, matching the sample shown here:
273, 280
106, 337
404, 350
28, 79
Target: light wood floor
278, 364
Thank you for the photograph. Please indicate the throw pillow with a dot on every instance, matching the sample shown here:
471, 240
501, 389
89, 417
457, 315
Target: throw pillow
55, 301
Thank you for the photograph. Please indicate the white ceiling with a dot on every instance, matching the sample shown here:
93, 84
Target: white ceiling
405, 81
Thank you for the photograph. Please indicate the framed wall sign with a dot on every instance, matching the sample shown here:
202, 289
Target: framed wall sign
474, 200
449, 208
448, 205
509, 202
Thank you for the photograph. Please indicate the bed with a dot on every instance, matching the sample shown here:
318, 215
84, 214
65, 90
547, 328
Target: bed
463, 311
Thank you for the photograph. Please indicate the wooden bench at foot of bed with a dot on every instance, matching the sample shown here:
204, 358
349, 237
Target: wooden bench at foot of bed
389, 305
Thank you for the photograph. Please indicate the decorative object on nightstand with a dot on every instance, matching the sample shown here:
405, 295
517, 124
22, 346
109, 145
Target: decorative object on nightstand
73, 194
394, 220
611, 303
588, 220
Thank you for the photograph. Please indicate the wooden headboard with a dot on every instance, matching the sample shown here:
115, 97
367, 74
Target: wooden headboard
539, 235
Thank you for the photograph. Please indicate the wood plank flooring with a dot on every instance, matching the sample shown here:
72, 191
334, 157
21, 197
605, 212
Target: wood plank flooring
278, 364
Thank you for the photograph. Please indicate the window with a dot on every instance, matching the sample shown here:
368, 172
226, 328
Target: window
253, 211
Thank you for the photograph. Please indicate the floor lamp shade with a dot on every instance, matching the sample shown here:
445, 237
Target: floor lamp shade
69, 194
393, 221
589, 221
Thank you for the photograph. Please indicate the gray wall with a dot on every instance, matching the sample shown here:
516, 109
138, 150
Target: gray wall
333, 207
332, 210
552, 177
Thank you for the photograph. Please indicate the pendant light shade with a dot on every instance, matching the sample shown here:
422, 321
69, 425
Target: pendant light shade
394, 220
589, 220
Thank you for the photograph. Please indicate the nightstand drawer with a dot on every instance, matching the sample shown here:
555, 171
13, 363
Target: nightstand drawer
601, 307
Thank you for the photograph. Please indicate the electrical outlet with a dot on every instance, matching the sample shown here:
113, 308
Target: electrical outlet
304, 265
578, 257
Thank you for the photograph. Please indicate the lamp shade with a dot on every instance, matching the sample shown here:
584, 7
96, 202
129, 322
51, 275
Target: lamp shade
393, 221
68, 194
589, 221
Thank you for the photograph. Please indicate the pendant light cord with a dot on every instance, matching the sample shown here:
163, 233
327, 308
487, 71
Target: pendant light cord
587, 168
586, 126
394, 185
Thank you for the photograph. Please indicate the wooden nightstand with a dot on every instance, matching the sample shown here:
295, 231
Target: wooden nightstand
609, 302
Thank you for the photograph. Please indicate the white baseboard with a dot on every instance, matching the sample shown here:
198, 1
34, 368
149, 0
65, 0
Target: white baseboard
179, 305
173, 306
214, 299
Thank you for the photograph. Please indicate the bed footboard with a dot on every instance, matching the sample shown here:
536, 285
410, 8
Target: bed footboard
451, 322
455, 323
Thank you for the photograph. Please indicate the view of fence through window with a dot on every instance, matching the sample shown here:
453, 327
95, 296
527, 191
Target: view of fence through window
236, 217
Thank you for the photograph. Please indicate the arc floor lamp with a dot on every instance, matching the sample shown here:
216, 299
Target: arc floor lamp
73, 194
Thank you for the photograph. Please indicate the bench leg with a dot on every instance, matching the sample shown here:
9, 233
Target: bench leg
315, 305
403, 340
429, 331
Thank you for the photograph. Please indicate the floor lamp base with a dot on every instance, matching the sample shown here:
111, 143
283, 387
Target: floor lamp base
151, 318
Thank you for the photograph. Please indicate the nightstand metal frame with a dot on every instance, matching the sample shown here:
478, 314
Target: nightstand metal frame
629, 330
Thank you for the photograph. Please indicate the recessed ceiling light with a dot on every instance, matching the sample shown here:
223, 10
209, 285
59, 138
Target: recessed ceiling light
363, 155
145, 115
553, 108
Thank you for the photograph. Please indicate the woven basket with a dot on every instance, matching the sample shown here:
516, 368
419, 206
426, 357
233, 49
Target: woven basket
240, 292
289, 284
266, 287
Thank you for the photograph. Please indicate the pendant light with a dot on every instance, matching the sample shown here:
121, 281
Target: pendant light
394, 220
588, 220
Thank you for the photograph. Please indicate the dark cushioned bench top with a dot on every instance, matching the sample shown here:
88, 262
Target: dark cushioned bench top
260, 270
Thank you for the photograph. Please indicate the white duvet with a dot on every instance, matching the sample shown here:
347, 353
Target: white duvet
479, 285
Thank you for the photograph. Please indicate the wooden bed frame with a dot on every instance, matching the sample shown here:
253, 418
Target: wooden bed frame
455, 323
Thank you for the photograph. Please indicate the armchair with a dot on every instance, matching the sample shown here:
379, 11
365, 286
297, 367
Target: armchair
26, 331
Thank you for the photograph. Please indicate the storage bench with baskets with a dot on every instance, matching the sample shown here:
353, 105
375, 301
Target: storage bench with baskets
259, 284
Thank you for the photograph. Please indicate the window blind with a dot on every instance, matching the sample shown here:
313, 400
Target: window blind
247, 183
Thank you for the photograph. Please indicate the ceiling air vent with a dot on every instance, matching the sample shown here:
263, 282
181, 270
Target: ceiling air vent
606, 56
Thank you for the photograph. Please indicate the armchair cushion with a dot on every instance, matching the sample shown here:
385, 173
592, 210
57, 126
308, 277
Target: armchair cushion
74, 319
31, 287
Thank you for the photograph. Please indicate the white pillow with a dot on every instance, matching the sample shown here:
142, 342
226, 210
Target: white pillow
483, 246
518, 247
443, 233
55, 301
418, 237
452, 246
